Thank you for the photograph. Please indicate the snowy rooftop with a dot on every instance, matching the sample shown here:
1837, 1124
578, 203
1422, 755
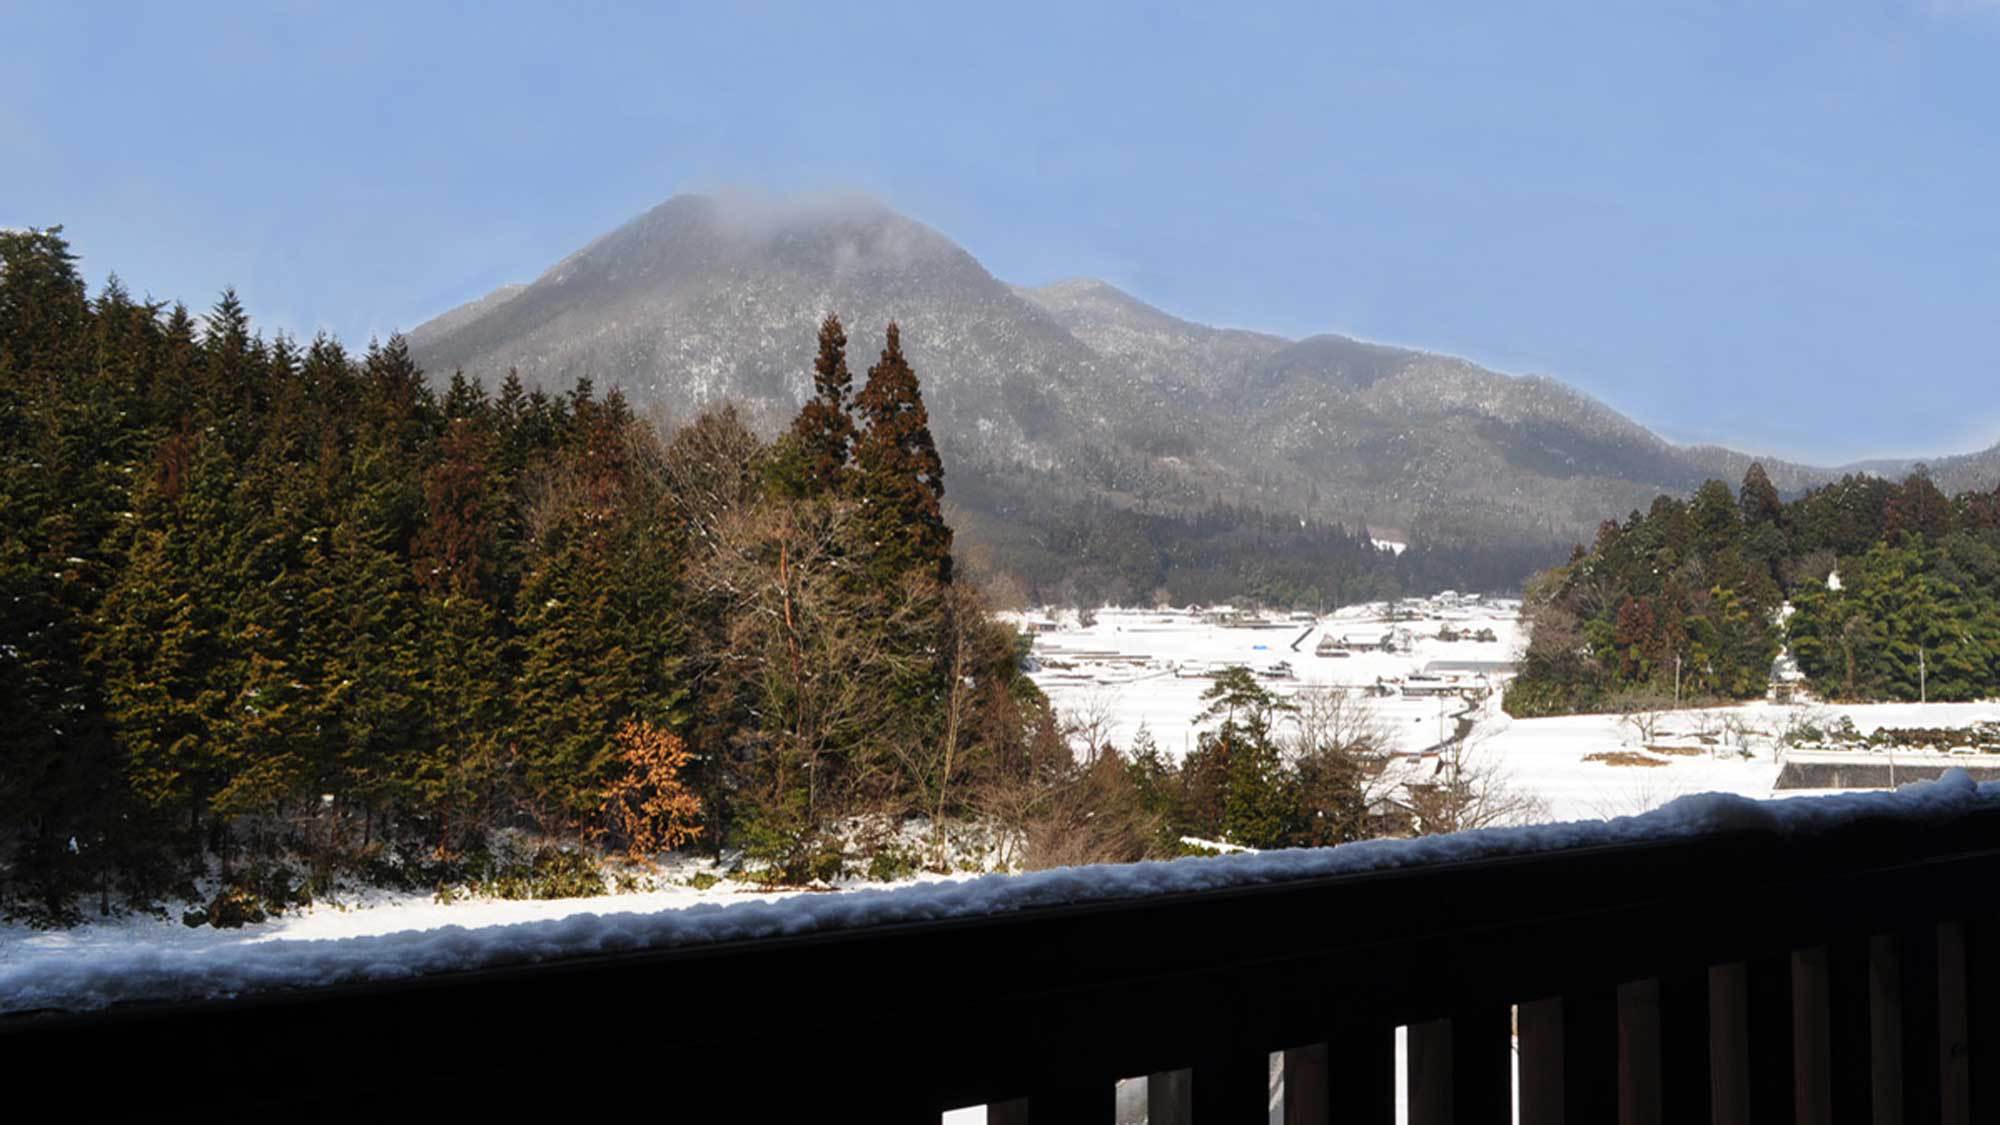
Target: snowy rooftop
149, 972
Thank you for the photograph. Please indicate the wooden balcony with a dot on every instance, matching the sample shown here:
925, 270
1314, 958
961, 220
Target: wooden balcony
1845, 973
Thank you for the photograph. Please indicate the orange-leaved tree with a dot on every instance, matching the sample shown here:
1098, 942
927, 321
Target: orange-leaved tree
648, 805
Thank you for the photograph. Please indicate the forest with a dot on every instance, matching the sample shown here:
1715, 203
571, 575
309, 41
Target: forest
271, 612
274, 615
1881, 590
1065, 548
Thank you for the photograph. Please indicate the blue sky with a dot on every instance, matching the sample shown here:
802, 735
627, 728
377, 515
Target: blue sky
1766, 224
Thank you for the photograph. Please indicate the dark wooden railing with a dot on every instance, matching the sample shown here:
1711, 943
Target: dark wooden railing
1843, 975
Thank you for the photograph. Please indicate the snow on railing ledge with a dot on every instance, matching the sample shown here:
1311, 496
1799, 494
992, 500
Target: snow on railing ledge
156, 975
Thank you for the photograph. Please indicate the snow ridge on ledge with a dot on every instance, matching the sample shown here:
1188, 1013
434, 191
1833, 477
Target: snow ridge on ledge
156, 975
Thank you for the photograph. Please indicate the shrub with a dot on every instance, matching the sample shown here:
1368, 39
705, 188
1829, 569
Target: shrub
890, 863
232, 908
787, 850
649, 807
555, 871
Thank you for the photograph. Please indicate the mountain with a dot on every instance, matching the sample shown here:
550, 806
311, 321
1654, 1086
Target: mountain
702, 300
1422, 439
472, 310
1073, 393
1177, 355
1954, 473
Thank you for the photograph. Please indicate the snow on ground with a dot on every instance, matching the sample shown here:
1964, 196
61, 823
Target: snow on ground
1548, 756
1144, 667
97, 966
406, 920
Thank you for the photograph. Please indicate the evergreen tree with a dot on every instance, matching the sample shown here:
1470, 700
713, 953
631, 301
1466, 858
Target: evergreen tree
1918, 508
599, 641
367, 616
65, 436
1758, 498
900, 478
823, 434
171, 671
1259, 806
455, 780
44, 306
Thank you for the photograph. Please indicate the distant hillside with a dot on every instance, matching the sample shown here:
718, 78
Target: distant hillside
1164, 350
1959, 472
464, 314
1076, 392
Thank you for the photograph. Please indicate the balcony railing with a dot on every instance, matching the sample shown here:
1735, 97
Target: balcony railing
1812, 972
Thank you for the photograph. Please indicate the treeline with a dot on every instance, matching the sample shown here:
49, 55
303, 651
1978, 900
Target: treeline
1039, 544
1894, 591
261, 598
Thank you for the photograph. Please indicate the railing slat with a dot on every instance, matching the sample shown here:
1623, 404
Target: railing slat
1954, 1026
1983, 986
1921, 1067
1308, 1086
1885, 1027
1847, 1030
1482, 1053
1170, 1097
1590, 1056
1812, 1037
1639, 1081
1684, 1100
1729, 1043
1361, 1074
1083, 1103
1461, 1069
1233, 1089
1538, 1028
1771, 1059
1430, 1092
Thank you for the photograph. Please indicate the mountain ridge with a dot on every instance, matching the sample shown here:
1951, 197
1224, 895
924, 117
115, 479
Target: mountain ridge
707, 298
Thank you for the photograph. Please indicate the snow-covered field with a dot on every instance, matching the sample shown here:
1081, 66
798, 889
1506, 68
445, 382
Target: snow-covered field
1133, 668
1145, 667
1548, 756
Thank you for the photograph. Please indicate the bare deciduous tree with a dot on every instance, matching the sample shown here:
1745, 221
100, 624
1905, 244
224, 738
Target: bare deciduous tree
1088, 726
1469, 788
1338, 751
1330, 718
1642, 721
710, 470
932, 755
815, 668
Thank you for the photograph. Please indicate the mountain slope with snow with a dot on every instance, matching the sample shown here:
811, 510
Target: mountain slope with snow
707, 298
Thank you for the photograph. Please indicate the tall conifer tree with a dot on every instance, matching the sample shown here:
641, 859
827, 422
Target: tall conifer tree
823, 434
900, 479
